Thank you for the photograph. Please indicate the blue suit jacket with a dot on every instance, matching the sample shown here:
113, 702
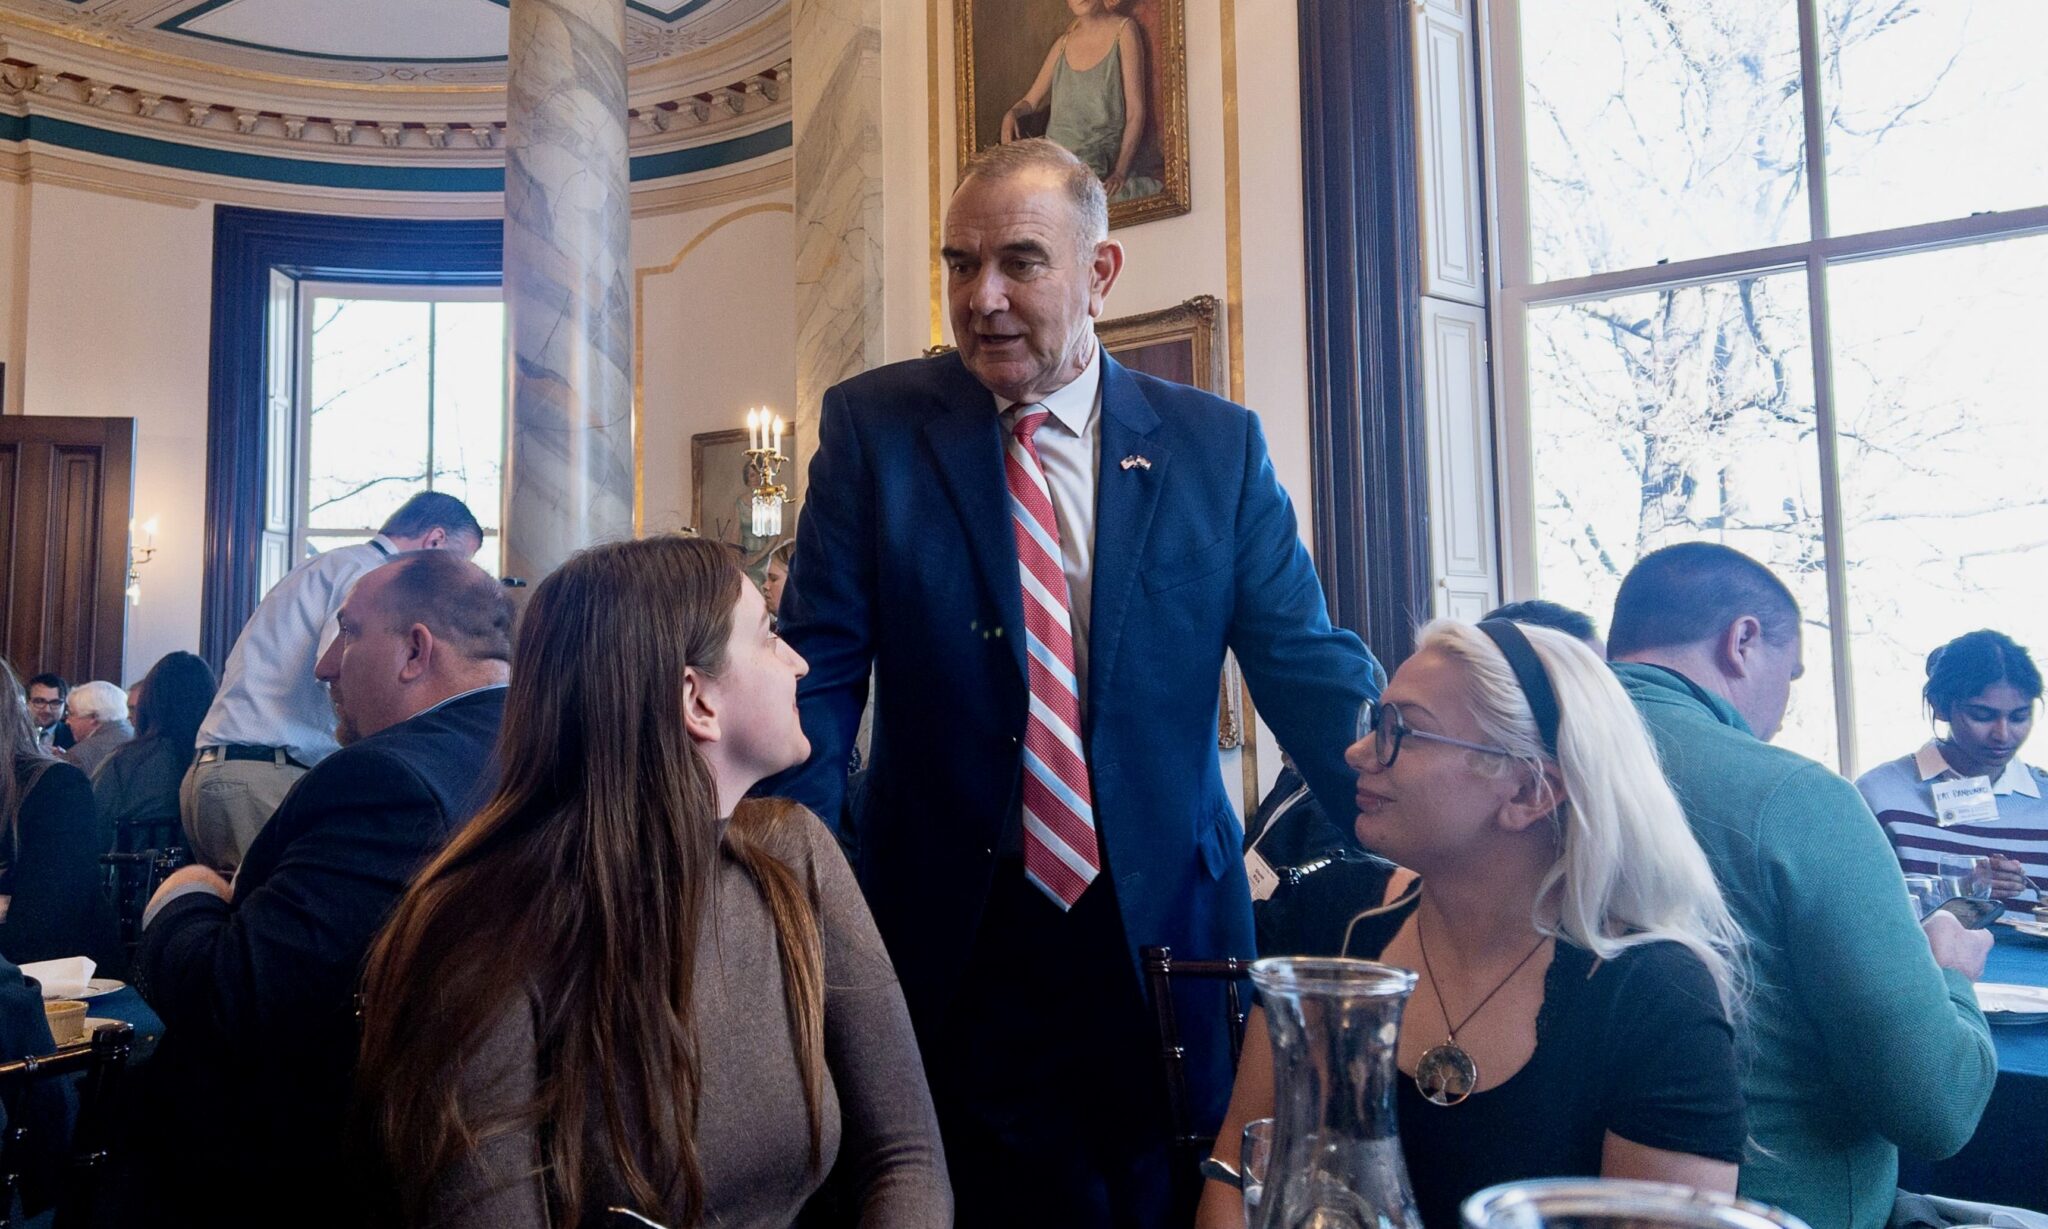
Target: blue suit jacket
906, 563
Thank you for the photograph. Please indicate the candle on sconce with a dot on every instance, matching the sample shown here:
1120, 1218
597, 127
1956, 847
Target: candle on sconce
753, 430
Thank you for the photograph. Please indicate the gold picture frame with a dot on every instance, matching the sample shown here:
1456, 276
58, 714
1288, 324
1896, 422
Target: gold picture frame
1001, 46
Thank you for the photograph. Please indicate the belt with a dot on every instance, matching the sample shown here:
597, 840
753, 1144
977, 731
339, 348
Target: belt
244, 751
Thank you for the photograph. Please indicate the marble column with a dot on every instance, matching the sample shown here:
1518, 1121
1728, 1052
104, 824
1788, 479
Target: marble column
836, 110
568, 275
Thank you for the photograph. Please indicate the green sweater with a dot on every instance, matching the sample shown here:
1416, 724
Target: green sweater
1860, 1044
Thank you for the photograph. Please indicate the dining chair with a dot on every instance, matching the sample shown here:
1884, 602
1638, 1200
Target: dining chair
1162, 971
88, 1165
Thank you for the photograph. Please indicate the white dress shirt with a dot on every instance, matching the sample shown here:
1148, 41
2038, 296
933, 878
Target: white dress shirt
1069, 449
268, 696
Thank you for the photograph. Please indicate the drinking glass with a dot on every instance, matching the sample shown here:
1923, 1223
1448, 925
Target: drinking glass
1925, 892
1252, 1157
1964, 875
1607, 1203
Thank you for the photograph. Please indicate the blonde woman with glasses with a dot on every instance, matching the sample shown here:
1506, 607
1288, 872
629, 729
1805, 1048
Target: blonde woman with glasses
1579, 976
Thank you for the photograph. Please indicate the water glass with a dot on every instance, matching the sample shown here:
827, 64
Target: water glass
1964, 874
1607, 1203
1252, 1158
1925, 892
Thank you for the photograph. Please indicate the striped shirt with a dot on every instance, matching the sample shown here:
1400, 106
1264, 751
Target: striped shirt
1902, 794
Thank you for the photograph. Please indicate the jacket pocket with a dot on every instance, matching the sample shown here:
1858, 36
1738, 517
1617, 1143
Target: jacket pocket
1191, 567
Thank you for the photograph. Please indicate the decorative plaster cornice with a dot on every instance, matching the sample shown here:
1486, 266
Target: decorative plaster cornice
654, 126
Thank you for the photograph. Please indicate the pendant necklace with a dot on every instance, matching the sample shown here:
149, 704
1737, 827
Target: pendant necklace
1446, 1074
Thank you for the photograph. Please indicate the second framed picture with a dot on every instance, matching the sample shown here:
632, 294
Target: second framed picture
1105, 78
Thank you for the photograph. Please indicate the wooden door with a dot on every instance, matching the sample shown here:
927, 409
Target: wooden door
66, 486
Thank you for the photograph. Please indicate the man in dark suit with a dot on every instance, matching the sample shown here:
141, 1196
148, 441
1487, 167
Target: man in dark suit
256, 985
1043, 557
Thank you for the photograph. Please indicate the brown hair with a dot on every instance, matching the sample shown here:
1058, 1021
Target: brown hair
25, 760
583, 883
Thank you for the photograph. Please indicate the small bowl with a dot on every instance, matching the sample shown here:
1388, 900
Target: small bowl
67, 1020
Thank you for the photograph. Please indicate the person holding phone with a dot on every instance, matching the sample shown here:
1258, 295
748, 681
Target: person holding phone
1968, 793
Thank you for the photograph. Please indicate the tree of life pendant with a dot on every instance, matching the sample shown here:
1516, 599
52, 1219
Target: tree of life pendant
1446, 1074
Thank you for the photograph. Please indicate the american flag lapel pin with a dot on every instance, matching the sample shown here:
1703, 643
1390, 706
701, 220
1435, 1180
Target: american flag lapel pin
1134, 461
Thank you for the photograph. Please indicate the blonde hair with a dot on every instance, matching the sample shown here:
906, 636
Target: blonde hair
1628, 869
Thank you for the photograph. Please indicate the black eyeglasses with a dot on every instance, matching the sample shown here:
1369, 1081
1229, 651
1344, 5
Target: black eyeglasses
1383, 724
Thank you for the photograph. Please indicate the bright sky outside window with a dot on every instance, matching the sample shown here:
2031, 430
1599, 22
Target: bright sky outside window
1823, 361
402, 394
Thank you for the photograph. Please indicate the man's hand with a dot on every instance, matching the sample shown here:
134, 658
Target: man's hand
206, 877
2007, 877
1954, 947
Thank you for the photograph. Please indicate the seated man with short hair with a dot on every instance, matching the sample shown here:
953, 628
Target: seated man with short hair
97, 714
1865, 1035
257, 985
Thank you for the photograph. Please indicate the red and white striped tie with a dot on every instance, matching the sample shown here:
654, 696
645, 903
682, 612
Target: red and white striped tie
1061, 853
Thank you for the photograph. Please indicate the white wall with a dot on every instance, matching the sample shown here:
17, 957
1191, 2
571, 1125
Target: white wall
106, 305
117, 324
1168, 261
718, 321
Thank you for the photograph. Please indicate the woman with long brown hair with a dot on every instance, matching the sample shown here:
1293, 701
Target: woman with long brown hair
619, 988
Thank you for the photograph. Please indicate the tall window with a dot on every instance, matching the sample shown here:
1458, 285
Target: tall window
1771, 274
401, 390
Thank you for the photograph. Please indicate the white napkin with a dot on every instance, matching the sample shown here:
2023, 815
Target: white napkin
62, 979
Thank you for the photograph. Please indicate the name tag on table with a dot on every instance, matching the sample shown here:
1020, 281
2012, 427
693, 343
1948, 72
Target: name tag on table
1966, 800
1260, 872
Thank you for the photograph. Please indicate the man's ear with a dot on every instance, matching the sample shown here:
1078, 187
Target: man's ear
1540, 795
434, 539
1103, 268
419, 653
700, 714
1735, 652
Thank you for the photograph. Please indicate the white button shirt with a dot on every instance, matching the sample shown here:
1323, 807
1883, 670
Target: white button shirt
1069, 451
268, 696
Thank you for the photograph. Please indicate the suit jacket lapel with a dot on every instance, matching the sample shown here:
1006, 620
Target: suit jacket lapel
966, 439
1125, 500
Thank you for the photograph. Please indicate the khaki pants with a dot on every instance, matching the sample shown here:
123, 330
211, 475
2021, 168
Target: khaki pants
226, 803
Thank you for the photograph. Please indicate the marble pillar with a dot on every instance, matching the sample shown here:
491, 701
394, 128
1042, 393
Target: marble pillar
836, 111
568, 283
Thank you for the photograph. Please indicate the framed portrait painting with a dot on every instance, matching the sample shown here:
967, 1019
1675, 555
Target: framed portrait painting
720, 494
1109, 83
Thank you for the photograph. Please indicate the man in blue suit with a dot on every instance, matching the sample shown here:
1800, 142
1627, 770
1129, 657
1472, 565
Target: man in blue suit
1042, 557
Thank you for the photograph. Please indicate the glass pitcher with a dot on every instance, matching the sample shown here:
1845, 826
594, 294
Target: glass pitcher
1336, 1160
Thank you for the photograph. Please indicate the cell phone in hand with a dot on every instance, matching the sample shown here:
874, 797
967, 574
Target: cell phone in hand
1974, 913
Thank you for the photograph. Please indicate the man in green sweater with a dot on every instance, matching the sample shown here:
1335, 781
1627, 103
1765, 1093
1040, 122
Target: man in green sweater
1864, 1029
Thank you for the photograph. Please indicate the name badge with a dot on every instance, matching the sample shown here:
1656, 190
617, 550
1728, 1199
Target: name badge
1260, 872
1966, 800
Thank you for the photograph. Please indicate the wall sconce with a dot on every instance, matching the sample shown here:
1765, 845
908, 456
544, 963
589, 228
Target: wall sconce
764, 465
139, 555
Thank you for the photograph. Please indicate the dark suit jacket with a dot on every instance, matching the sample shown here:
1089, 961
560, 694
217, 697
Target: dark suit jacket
258, 994
59, 907
905, 561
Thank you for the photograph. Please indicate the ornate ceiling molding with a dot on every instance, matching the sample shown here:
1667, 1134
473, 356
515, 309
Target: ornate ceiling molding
446, 135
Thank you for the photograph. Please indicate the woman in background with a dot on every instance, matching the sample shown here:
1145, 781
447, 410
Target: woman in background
1578, 969
1985, 688
136, 790
51, 905
621, 988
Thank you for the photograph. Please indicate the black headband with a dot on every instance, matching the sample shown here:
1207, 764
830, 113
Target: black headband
1529, 673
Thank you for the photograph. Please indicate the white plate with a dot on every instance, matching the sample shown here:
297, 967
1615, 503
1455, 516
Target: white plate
2008, 1004
102, 985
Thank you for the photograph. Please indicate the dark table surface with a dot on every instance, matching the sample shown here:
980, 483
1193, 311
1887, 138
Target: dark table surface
2007, 1160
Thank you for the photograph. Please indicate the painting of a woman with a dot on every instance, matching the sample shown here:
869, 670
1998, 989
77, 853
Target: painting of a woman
1097, 111
1105, 78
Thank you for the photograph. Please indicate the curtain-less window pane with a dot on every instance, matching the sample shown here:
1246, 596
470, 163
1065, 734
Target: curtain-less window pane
1942, 436
469, 404
367, 419
1660, 131
1935, 110
1676, 415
